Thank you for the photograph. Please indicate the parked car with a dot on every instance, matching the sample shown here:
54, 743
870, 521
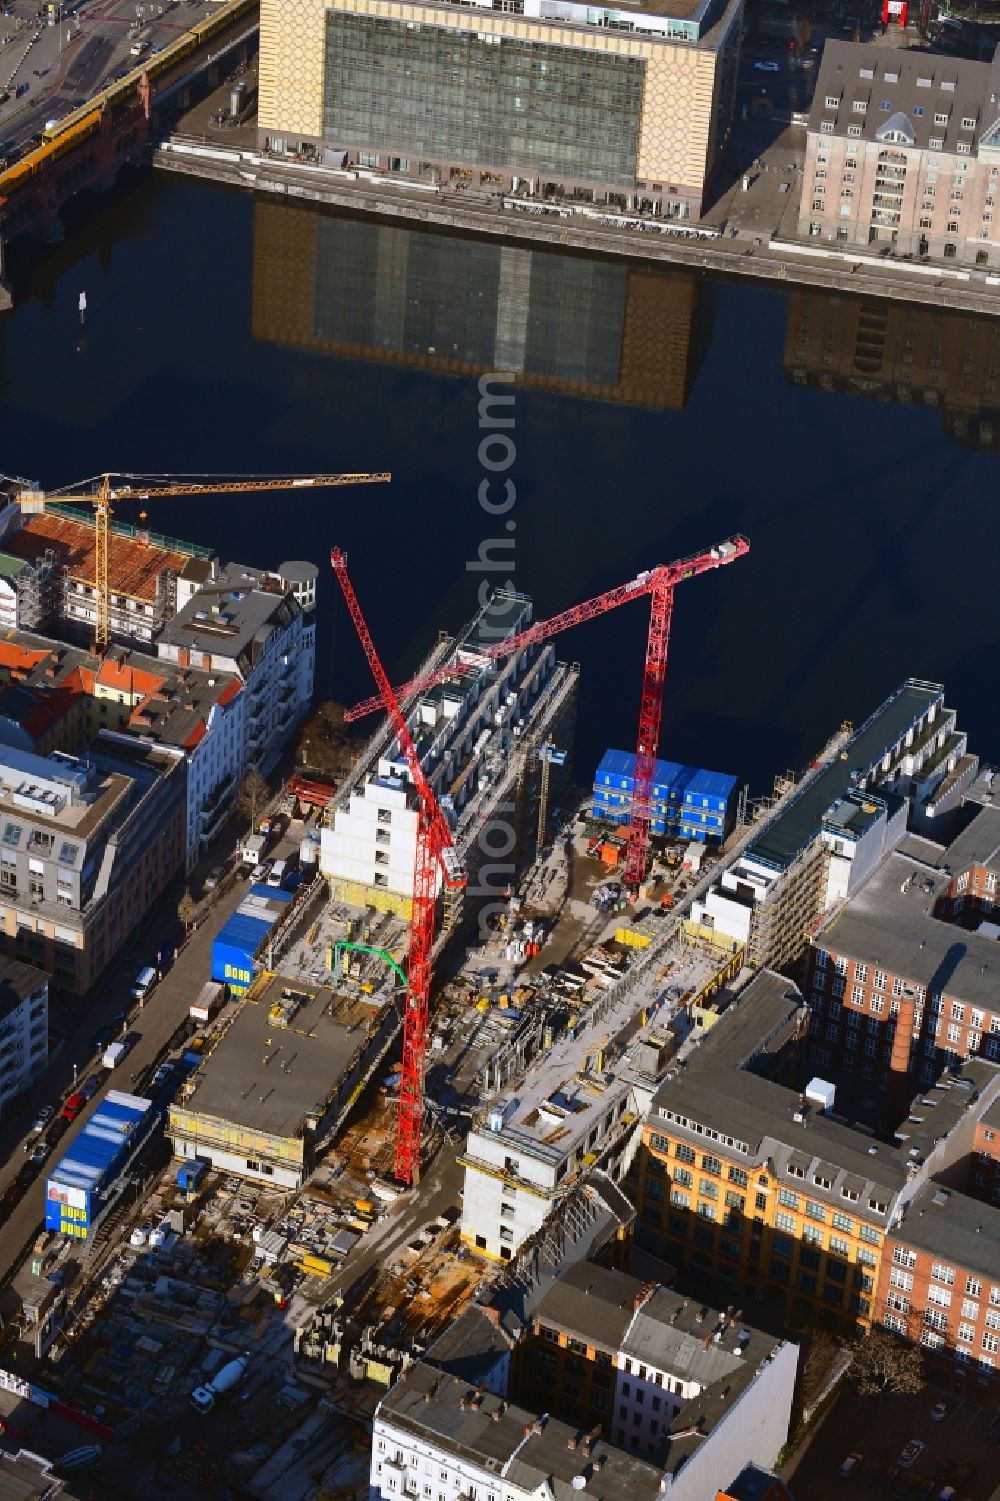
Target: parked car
851, 1463
27, 1175
37, 1158
58, 1129
767, 66
100, 1039
940, 1411
92, 1085
214, 876
11, 1196
73, 1106
42, 1118
911, 1454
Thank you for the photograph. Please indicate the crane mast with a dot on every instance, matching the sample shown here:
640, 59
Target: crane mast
659, 584
435, 853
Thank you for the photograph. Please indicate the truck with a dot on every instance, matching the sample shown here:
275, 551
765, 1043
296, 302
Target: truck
204, 1398
113, 1054
252, 851
208, 1001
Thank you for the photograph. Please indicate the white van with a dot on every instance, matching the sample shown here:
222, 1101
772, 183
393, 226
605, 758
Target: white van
278, 872
143, 983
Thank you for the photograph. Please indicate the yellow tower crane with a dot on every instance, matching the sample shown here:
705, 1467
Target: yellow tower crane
110, 488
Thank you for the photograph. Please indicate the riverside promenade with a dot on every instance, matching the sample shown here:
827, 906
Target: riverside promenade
237, 162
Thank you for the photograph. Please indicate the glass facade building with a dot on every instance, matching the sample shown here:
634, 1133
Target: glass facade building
467, 96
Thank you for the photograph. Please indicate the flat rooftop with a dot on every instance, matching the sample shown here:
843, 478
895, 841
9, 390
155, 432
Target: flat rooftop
134, 565
890, 923
231, 616
268, 1076
978, 843
756, 1115
962, 1231
801, 821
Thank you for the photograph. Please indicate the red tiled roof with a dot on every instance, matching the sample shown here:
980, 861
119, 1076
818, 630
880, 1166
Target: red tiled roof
134, 565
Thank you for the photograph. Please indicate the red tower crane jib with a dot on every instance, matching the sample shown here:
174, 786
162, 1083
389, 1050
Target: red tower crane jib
659, 584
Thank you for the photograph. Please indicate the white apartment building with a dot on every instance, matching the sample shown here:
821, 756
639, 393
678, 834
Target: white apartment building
244, 622
837, 826
477, 738
24, 1027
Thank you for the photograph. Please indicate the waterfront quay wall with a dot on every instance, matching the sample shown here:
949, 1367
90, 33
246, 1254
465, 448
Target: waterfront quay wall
775, 261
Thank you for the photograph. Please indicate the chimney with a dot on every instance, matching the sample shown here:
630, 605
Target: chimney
899, 1060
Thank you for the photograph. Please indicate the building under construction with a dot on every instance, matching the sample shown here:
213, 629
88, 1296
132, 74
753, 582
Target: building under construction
48, 564
891, 772
479, 739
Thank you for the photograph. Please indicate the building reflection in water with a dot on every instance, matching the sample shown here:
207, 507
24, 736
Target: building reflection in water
364, 290
894, 351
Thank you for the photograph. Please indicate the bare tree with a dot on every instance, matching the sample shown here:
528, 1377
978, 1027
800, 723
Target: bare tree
815, 1367
325, 741
251, 797
883, 1363
187, 909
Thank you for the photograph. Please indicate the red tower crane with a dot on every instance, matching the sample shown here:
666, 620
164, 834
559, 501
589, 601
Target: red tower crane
435, 853
659, 583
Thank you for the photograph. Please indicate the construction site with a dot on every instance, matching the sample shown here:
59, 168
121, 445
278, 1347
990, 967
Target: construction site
339, 1182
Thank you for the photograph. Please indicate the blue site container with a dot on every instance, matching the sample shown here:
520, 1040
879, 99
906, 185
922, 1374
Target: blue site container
77, 1186
243, 933
190, 1174
686, 799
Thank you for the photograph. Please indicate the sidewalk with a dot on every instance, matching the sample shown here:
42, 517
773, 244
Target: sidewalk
771, 259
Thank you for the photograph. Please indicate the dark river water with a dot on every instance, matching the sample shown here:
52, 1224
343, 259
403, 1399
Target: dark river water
654, 413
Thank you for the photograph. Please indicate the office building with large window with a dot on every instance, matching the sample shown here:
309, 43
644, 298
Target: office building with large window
626, 106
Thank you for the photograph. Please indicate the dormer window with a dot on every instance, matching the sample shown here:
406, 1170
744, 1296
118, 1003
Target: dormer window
948, 86
866, 73
859, 106
918, 110
936, 143
854, 130
886, 105
822, 1182
964, 148
892, 77
923, 83
967, 123
832, 102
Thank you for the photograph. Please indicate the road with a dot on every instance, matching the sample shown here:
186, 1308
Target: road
153, 1024
60, 66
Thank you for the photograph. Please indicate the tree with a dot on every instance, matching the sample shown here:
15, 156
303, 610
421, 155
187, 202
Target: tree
815, 1367
883, 1363
252, 796
325, 742
187, 909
